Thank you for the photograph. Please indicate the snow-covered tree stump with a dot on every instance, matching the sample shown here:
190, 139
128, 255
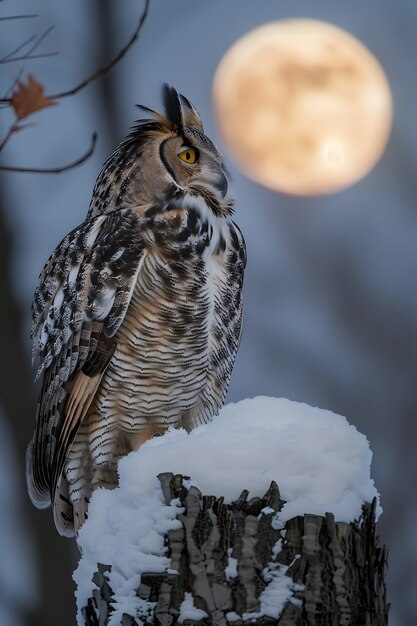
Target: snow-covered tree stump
163, 553
233, 564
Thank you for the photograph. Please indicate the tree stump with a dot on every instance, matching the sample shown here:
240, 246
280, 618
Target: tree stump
238, 565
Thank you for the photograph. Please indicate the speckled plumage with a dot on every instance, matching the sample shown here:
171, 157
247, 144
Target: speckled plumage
137, 315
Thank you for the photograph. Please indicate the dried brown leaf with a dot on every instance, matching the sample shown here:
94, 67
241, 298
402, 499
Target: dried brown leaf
28, 99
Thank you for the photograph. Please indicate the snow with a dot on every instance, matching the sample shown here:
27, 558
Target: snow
320, 462
189, 611
230, 571
126, 531
278, 591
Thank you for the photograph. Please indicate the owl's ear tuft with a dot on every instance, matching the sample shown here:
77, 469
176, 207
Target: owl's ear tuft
153, 115
189, 114
179, 110
172, 106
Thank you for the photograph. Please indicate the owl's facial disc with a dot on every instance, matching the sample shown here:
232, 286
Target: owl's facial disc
193, 161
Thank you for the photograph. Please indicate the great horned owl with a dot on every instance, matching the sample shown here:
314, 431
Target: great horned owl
138, 312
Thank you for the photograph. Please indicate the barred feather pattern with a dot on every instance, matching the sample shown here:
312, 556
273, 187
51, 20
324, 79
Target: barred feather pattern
176, 346
167, 287
79, 304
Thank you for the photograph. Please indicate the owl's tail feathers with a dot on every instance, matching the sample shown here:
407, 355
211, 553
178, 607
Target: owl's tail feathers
63, 510
41, 498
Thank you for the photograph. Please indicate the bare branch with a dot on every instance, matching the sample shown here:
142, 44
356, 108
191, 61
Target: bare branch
104, 68
40, 39
53, 170
14, 128
18, 49
17, 17
12, 87
9, 58
9, 133
41, 55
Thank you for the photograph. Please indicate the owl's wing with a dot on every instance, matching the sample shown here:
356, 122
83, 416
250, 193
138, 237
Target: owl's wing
80, 302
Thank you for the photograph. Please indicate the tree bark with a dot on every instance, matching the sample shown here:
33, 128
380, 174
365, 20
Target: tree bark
336, 570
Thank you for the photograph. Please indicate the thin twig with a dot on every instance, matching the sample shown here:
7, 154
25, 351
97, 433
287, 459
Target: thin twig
9, 133
9, 58
11, 89
104, 68
18, 49
40, 39
53, 170
41, 55
17, 17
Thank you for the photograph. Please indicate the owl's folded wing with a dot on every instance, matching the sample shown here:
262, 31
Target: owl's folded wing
78, 307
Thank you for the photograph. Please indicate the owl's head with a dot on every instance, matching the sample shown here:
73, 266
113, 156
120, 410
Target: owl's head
165, 158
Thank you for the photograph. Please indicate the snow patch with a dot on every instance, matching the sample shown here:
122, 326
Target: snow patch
279, 590
189, 611
230, 571
126, 531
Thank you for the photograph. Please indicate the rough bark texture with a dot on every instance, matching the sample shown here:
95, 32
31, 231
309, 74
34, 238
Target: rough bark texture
337, 569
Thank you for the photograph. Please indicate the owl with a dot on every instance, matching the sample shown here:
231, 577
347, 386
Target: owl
137, 315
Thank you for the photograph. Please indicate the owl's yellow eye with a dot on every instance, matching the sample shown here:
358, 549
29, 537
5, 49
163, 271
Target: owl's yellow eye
189, 155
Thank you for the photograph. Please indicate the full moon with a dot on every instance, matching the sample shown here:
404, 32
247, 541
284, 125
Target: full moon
302, 106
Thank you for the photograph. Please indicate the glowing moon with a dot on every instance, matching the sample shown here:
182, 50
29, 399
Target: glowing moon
303, 106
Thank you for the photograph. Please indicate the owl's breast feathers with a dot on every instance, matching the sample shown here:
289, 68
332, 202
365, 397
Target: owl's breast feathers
178, 268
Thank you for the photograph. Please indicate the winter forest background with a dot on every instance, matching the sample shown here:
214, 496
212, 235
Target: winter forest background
330, 292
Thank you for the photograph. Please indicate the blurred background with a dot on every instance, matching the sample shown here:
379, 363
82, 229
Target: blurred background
330, 291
